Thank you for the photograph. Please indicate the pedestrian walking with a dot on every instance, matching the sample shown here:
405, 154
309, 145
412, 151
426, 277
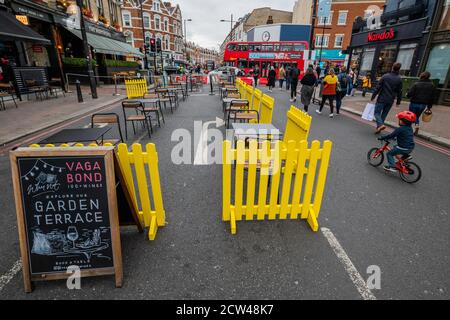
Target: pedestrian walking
329, 91
366, 84
288, 77
271, 78
421, 96
388, 89
308, 82
255, 73
351, 76
294, 82
281, 76
342, 87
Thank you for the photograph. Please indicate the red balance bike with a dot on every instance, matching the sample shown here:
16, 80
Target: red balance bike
409, 171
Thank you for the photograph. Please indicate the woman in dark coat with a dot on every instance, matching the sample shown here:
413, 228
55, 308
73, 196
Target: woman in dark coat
272, 78
421, 96
308, 82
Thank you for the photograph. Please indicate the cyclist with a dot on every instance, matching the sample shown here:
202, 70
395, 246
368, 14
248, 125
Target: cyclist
405, 139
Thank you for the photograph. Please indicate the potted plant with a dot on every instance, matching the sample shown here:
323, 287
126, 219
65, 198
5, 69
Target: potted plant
87, 12
103, 20
116, 25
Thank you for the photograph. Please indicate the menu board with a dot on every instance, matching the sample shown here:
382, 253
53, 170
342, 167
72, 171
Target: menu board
68, 211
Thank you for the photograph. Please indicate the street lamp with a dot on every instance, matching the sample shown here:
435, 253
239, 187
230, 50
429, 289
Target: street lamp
185, 36
143, 35
231, 30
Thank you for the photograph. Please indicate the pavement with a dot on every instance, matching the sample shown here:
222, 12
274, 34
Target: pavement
34, 115
369, 217
437, 130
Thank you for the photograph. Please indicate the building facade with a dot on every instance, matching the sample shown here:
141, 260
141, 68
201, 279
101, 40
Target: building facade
437, 54
400, 34
156, 19
59, 23
333, 33
258, 17
197, 55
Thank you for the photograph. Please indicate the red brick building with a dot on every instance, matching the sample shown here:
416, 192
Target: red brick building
338, 24
160, 19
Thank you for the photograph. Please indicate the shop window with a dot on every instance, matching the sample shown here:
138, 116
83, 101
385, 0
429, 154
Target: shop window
356, 59
157, 23
445, 19
166, 24
386, 59
146, 20
405, 57
126, 17
367, 60
325, 20
322, 41
342, 19
439, 61
338, 40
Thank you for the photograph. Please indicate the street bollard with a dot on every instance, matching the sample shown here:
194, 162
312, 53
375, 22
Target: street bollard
79, 94
115, 86
211, 85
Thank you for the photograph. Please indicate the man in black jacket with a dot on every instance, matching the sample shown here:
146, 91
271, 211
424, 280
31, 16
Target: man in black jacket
388, 89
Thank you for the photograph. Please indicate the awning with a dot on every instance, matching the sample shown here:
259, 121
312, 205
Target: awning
107, 45
11, 29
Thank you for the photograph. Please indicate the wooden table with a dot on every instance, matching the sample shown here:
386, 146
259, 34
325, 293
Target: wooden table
86, 135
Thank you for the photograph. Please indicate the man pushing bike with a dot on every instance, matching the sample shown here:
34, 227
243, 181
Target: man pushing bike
405, 139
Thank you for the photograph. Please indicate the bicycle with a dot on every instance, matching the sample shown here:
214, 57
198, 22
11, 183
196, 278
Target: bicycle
409, 171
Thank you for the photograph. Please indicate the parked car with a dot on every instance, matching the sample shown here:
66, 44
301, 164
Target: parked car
225, 72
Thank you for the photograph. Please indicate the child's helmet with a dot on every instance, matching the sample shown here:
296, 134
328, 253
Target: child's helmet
407, 116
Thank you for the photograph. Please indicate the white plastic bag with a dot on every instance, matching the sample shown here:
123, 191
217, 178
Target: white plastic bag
369, 111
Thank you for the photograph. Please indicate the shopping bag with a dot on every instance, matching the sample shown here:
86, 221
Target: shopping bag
427, 115
369, 111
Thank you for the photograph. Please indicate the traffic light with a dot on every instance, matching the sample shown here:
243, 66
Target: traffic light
158, 45
146, 47
152, 45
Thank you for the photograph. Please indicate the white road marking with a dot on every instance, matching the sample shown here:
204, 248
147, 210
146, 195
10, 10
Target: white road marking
7, 277
354, 275
98, 125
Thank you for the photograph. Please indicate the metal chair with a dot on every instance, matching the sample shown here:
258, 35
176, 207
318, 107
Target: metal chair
163, 96
241, 111
139, 115
108, 118
157, 110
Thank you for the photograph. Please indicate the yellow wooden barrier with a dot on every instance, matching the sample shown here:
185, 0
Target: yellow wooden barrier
302, 180
266, 110
151, 213
297, 125
249, 94
136, 88
256, 105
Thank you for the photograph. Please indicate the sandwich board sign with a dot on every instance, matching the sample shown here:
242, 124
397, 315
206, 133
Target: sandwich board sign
67, 214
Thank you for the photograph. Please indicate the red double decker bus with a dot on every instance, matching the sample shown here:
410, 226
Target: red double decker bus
245, 55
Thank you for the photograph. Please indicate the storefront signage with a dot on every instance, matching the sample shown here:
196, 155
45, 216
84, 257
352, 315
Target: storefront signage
37, 48
381, 36
67, 212
30, 12
23, 19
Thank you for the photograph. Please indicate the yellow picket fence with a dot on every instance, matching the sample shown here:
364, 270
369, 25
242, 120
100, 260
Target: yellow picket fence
266, 110
136, 88
135, 167
296, 191
297, 125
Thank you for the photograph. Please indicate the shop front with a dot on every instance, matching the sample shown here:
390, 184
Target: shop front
374, 52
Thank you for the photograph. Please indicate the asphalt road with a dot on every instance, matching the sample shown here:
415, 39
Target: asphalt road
377, 219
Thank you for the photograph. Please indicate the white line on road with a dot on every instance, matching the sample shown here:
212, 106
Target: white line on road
354, 275
7, 277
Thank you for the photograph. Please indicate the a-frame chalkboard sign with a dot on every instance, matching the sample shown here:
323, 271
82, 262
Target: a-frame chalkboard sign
67, 214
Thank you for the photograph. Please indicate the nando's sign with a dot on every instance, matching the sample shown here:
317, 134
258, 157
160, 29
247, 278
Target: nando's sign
381, 36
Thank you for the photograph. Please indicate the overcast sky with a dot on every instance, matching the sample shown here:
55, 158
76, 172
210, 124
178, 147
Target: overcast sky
206, 28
